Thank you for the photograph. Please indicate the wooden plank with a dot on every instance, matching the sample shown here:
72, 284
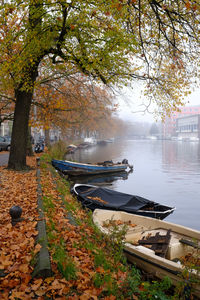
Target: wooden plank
158, 243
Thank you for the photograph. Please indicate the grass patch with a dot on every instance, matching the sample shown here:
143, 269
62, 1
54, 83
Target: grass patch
58, 150
64, 262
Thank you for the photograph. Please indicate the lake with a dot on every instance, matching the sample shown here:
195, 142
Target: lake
167, 172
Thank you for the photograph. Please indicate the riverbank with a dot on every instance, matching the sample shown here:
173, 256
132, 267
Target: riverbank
84, 264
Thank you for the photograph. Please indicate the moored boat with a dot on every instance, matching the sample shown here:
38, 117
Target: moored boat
71, 148
84, 145
77, 168
94, 197
158, 247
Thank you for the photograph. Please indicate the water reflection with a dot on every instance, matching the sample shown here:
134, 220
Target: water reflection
101, 179
181, 156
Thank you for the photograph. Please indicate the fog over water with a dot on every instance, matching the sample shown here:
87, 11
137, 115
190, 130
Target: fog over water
167, 172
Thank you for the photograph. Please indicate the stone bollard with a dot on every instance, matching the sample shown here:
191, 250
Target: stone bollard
15, 213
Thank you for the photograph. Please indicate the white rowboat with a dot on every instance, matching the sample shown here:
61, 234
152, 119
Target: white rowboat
183, 241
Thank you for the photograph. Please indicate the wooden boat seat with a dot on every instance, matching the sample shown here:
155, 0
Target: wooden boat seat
178, 248
175, 250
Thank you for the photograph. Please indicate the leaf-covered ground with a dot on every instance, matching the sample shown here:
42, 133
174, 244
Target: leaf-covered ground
84, 265
17, 243
18, 246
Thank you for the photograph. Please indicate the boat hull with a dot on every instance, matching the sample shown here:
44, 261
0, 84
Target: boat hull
145, 258
74, 168
88, 195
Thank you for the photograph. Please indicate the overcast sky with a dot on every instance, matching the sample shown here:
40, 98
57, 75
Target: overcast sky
131, 100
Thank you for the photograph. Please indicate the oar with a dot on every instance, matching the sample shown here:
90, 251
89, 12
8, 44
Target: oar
189, 243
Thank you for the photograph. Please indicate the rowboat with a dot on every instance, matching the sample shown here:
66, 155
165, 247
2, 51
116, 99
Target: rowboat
77, 168
156, 246
94, 197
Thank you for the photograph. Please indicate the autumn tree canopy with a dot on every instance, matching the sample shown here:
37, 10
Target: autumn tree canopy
113, 41
69, 102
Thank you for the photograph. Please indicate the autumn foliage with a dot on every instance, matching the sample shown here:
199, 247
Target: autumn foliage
19, 247
72, 103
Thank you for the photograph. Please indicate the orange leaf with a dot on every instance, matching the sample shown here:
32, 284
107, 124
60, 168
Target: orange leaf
17, 295
37, 284
41, 291
100, 270
110, 297
37, 248
56, 285
187, 4
24, 268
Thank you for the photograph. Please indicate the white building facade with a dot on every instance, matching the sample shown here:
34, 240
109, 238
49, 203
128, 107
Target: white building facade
188, 127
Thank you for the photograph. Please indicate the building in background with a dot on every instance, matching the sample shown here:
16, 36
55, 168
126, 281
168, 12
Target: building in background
40, 134
188, 128
169, 127
6, 128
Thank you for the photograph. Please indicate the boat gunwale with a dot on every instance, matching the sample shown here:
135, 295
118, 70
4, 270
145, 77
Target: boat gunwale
175, 227
158, 258
71, 163
157, 211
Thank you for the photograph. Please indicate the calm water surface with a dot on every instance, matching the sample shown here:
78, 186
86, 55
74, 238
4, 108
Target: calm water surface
164, 171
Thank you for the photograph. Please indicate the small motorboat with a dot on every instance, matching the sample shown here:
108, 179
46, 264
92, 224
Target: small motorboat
84, 145
71, 148
77, 168
158, 247
94, 197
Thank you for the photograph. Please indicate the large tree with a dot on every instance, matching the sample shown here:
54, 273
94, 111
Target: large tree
113, 41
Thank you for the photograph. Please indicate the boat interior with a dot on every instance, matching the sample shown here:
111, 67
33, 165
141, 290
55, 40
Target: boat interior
179, 245
145, 233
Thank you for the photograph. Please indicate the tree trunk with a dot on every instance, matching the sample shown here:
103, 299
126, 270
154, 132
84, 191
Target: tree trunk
17, 158
47, 137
